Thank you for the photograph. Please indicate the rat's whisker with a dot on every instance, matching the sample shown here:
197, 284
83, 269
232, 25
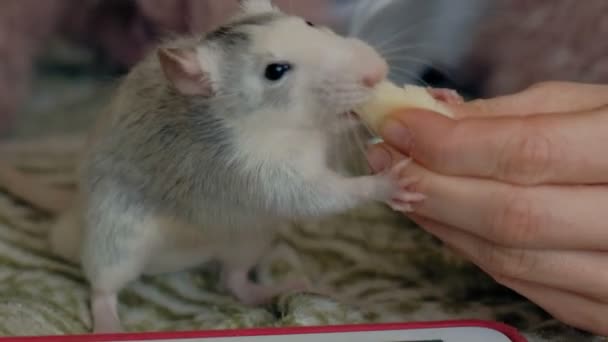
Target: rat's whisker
368, 129
410, 74
446, 73
401, 32
410, 58
421, 61
398, 50
346, 141
388, 43
410, 29
413, 60
388, 39
223, 97
357, 137
340, 143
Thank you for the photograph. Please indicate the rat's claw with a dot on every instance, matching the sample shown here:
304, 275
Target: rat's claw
406, 183
402, 201
400, 206
400, 198
446, 95
410, 197
403, 197
396, 170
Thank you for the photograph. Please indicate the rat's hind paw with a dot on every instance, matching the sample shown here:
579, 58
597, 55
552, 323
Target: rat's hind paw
253, 294
264, 294
402, 197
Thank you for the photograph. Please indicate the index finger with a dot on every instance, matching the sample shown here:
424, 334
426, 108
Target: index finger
542, 98
567, 148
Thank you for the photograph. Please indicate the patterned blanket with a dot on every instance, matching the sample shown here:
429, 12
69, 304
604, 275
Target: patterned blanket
375, 265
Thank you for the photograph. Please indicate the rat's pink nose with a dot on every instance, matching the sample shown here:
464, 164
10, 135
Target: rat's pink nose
370, 80
375, 75
367, 63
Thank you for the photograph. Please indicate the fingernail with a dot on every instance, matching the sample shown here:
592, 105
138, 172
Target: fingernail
379, 158
397, 134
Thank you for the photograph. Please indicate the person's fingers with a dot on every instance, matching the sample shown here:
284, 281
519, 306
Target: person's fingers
565, 148
544, 267
511, 268
575, 310
544, 217
542, 98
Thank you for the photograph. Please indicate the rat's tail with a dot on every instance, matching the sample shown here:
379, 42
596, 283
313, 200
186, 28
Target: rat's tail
56, 200
34, 192
65, 232
31, 189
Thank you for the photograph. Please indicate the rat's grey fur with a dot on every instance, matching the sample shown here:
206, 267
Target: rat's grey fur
162, 142
171, 181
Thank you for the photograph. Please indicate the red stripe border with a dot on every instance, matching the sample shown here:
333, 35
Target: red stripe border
508, 331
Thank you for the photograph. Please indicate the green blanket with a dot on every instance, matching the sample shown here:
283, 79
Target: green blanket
375, 264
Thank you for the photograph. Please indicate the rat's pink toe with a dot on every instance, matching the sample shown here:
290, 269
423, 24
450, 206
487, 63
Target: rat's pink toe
410, 197
400, 206
446, 95
396, 170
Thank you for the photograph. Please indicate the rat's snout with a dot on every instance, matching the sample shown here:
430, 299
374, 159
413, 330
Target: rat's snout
349, 72
373, 69
375, 75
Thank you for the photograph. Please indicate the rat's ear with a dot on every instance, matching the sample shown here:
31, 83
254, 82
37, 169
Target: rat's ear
257, 6
184, 71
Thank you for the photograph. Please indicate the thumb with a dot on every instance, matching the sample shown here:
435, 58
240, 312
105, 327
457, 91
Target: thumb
416, 132
541, 98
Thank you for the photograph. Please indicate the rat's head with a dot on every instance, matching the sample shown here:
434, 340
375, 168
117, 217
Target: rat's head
264, 62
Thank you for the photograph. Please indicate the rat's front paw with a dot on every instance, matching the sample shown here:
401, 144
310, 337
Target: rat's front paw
399, 196
446, 95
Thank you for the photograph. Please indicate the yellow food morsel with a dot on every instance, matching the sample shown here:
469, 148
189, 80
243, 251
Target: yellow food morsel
388, 97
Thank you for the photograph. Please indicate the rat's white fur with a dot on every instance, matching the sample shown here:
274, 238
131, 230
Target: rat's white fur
324, 75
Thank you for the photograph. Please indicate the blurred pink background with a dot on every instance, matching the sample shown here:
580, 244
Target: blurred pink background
520, 43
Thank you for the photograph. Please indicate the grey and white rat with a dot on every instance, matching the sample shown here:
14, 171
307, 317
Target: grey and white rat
209, 144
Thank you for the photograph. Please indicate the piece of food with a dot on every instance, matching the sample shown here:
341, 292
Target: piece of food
388, 97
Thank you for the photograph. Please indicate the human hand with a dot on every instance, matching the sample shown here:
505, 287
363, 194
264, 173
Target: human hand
518, 185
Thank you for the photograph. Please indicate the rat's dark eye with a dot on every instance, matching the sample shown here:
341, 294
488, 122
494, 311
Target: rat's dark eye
310, 24
276, 71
